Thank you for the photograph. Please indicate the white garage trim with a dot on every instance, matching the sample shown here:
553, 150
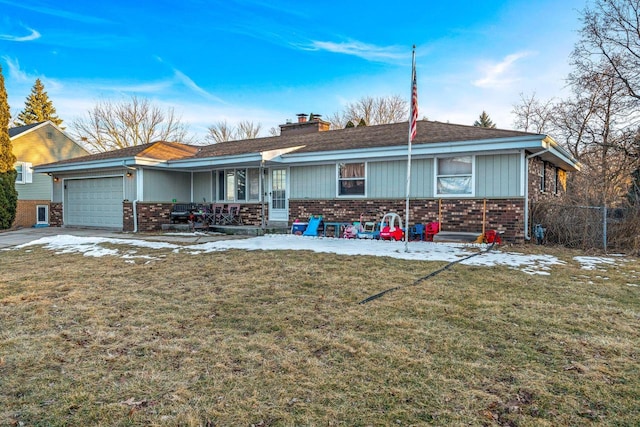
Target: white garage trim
93, 202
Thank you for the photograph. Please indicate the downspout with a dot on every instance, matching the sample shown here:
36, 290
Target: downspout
135, 216
526, 192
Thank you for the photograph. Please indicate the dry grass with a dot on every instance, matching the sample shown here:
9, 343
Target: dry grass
278, 338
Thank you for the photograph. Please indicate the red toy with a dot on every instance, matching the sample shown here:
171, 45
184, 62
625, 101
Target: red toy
391, 227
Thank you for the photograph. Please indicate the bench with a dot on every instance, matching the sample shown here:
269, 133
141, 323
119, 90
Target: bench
181, 211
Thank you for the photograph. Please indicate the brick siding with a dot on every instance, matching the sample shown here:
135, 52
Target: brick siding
26, 213
505, 215
55, 214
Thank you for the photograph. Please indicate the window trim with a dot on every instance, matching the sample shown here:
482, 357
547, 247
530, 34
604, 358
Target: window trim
46, 210
543, 177
437, 176
220, 184
364, 178
25, 172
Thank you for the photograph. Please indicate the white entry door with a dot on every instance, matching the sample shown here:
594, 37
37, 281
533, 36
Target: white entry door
278, 202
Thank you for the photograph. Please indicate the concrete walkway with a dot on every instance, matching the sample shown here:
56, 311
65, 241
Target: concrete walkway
26, 235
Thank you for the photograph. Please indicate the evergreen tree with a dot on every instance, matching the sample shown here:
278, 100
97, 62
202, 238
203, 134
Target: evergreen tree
362, 123
484, 121
349, 125
8, 192
37, 108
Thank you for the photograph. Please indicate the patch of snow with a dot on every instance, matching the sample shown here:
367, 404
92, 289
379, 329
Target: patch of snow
593, 263
417, 251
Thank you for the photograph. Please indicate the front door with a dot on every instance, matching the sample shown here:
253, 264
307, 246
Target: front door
278, 204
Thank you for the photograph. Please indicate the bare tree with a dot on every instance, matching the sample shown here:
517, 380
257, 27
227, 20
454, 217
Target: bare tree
113, 125
221, 132
598, 127
273, 131
248, 130
533, 115
611, 34
373, 111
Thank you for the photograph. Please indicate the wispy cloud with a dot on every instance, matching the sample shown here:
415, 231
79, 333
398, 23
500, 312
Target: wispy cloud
15, 73
22, 38
500, 74
58, 12
181, 78
361, 50
186, 80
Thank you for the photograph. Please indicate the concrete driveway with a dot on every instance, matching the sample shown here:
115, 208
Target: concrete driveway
26, 235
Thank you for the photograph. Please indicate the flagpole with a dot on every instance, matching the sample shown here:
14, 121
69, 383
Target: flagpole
413, 117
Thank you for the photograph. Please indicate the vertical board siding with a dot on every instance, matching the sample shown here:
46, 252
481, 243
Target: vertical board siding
161, 186
202, 187
498, 175
389, 179
421, 178
313, 182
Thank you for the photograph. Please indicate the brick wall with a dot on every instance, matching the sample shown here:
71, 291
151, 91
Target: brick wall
506, 215
26, 214
151, 216
55, 214
551, 187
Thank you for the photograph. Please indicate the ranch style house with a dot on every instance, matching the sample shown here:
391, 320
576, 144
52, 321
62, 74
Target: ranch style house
462, 176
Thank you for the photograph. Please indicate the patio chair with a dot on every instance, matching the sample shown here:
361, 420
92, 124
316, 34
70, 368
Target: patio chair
416, 232
432, 229
215, 217
231, 215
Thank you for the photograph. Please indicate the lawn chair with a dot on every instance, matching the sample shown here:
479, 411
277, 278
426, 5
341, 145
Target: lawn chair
234, 213
431, 230
416, 232
231, 215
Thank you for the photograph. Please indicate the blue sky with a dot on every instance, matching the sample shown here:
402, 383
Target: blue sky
265, 61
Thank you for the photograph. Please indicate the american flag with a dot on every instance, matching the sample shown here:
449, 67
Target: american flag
414, 101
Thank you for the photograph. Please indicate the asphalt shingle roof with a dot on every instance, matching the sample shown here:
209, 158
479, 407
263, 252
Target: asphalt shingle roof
360, 137
20, 129
389, 135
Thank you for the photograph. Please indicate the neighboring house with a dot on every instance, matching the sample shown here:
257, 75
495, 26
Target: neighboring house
36, 144
459, 174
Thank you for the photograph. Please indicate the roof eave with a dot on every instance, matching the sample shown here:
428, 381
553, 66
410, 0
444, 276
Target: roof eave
425, 149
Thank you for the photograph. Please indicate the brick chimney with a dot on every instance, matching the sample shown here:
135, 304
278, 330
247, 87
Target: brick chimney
313, 124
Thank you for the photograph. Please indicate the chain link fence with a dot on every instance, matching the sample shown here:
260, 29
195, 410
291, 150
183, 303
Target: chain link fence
587, 227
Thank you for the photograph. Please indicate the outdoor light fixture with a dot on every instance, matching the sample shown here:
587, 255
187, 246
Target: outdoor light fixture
56, 179
128, 174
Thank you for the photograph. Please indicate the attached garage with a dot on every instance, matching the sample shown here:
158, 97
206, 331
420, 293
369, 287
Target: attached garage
94, 202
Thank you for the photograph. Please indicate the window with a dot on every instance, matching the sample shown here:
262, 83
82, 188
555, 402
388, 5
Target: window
42, 214
561, 180
239, 185
25, 174
351, 179
253, 183
454, 176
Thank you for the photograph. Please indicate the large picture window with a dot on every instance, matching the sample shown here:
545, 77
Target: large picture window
351, 179
454, 176
238, 185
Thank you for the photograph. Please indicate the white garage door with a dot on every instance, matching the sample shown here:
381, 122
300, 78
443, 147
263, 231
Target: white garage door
94, 202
